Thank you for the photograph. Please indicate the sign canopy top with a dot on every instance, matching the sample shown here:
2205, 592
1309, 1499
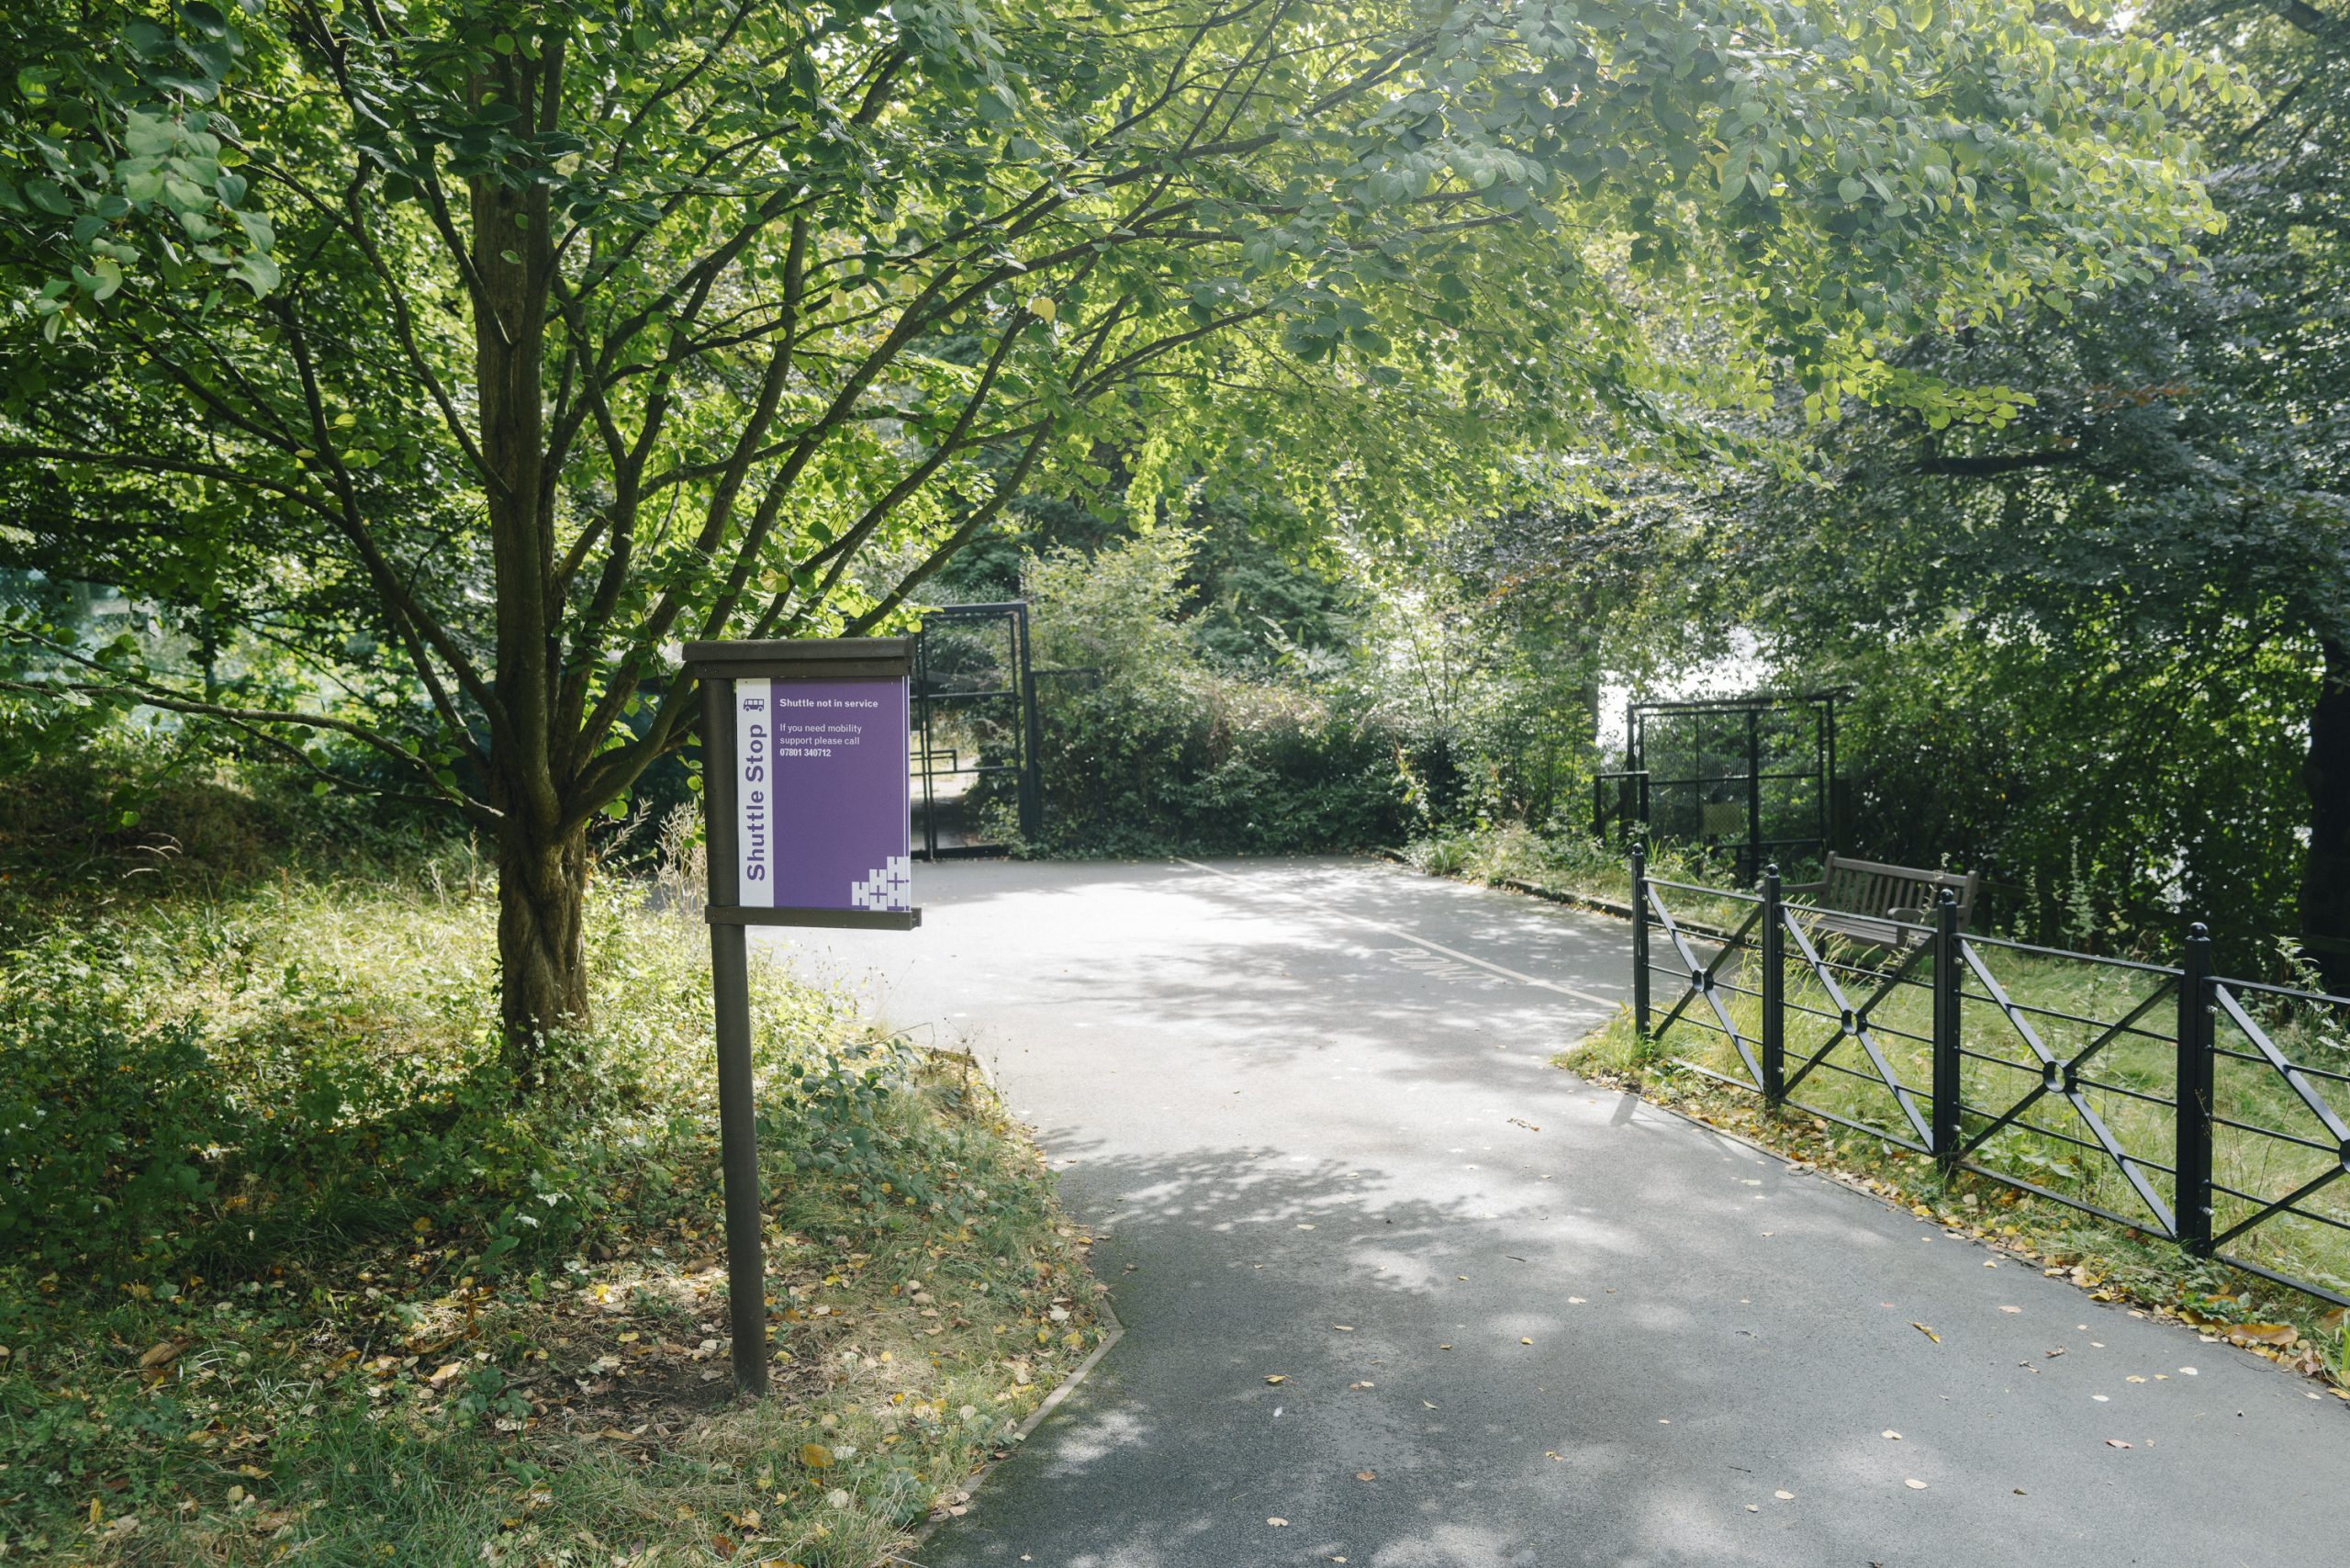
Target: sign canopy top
804, 658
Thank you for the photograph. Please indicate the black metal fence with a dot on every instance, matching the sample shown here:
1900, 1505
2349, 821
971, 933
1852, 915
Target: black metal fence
2193, 1106
1619, 807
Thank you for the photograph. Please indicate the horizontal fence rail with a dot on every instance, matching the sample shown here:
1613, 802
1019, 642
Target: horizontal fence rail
2205, 1110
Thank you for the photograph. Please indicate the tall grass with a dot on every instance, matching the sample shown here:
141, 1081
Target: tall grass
289, 1271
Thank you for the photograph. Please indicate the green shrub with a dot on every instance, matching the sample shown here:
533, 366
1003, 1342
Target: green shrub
1151, 746
106, 1120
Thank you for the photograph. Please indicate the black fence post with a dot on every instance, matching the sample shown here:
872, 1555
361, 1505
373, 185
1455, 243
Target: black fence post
1641, 941
1753, 856
1774, 999
2192, 1201
1948, 1090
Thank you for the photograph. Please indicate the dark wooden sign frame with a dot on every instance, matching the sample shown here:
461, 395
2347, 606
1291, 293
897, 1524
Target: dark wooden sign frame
717, 667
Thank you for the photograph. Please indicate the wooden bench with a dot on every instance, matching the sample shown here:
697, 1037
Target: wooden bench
1863, 900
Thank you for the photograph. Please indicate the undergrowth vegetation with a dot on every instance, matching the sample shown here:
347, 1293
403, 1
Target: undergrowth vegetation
1150, 744
1562, 861
288, 1270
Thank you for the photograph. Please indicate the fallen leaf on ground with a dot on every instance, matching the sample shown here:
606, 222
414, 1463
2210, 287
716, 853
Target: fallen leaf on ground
815, 1456
1926, 1331
1894, 1435
1278, 1522
162, 1354
1277, 1378
1914, 1484
1366, 1476
1784, 1497
2115, 1443
2264, 1333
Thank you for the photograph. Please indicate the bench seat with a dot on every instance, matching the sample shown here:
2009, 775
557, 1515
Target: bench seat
1866, 900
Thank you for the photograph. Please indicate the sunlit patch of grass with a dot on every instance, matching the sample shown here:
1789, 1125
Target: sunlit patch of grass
1502, 853
391, 1314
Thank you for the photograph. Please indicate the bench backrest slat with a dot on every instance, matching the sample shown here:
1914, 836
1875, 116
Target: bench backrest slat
1856, 897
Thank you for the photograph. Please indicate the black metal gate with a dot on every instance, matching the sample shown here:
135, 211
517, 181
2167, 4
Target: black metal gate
1753, 776
975, 731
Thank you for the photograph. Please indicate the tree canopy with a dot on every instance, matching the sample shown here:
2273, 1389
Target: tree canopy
2109, 642
471, 355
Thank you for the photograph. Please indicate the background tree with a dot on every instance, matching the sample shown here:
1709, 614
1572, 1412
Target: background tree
475, 354
2107, 645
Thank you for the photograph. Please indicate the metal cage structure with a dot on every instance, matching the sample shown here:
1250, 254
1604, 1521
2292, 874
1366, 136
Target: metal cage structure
1753, 776
975, 733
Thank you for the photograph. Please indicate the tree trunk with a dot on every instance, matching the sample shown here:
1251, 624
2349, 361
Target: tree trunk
542, 951
2325, 877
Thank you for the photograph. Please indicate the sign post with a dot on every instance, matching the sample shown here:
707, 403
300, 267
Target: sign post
807, 811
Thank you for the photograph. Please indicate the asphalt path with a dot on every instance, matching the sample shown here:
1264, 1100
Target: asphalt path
1307, 1108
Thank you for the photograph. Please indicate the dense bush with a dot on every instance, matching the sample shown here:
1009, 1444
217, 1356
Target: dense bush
1150, 745
2107, 808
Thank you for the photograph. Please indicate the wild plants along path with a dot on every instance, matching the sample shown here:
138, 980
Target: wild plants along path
1306, 1106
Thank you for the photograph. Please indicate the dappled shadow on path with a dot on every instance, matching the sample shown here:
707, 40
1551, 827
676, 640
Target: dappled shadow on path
1549, 1324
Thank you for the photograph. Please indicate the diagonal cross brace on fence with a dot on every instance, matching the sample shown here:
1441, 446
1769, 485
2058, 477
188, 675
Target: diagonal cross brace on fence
1853, 1022
2308, 1097
1955, 1132
2059, 1078
1702, 976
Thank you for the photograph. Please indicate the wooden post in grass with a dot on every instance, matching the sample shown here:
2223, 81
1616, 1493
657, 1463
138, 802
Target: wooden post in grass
808, 815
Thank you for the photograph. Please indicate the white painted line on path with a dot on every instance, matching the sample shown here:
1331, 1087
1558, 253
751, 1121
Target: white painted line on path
1609, 1002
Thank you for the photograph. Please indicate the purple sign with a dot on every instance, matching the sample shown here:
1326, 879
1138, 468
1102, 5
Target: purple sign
822, 802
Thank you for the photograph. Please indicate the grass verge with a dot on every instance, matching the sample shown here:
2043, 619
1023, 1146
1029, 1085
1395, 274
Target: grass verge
289, 1274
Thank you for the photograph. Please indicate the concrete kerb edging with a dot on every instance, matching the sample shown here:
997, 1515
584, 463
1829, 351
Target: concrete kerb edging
1078, 1374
